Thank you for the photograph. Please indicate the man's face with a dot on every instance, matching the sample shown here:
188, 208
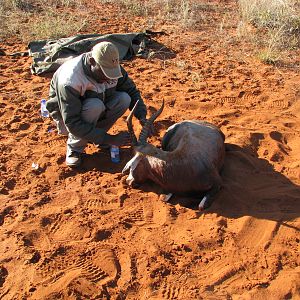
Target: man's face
98, 74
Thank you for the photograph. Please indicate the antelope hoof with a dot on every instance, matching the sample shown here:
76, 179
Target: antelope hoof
130, 181
205, 203
165, 197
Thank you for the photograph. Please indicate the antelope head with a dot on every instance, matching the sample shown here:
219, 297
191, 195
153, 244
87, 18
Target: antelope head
142, 148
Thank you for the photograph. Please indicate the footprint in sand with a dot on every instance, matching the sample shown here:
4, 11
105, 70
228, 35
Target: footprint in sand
279, 104
99, 265
63, 228
59, 141
136, 216
68, 268
257, 233
190, 105
101, 202
52, 222
129, 271
219, 270
242, 99
169, 291
151, 213
60, 259
224, 273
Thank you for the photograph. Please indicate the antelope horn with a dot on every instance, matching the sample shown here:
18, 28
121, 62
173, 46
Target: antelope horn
129, 125
145, 130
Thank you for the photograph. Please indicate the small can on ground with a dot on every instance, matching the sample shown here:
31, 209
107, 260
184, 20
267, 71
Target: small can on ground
115, 154
44, 110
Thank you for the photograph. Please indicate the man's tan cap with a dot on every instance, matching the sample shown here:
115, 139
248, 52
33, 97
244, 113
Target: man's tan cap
106, 55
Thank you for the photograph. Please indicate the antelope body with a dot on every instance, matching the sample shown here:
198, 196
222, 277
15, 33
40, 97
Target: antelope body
189, 162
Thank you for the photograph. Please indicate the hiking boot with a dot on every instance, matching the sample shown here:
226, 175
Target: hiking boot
73, 158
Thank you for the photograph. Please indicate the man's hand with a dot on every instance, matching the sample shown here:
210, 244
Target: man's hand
152, 130
120, 139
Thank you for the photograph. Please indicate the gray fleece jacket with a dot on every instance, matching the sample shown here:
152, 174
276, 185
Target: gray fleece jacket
72, 83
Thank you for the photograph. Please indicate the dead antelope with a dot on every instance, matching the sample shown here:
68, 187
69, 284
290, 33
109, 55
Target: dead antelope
189, 162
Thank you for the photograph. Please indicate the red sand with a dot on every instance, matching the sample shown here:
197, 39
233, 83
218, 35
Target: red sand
83, 234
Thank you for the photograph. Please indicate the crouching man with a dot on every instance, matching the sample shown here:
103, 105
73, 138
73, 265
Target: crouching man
87, 95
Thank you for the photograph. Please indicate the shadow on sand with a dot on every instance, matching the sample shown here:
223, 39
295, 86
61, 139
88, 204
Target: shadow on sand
156, 50
251, 187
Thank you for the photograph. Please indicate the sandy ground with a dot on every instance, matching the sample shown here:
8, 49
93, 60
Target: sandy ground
84, 234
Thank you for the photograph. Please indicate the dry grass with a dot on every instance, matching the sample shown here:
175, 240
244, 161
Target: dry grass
186, 13
52, 26
274, 24
51, 20
29, 19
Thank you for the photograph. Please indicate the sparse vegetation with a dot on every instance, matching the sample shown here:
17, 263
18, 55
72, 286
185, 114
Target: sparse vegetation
41, 19
185, 12
274, 26
55, 26
51, 21
269, 56
271, 13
